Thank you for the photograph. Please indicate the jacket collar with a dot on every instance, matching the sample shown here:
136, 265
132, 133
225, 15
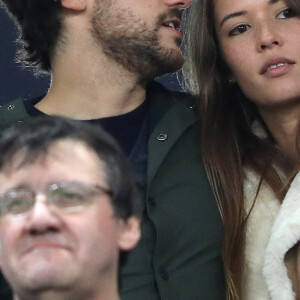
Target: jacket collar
171, 114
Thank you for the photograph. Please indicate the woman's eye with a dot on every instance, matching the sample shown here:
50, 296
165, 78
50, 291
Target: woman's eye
239, 29
286, 13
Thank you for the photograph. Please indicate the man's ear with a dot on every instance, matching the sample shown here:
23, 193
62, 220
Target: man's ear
130, 233
78, 5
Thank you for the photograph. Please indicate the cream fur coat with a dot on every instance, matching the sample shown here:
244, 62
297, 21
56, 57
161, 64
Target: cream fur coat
272, 229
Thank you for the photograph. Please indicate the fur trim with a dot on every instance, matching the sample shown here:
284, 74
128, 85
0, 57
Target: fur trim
258, 230
285, 234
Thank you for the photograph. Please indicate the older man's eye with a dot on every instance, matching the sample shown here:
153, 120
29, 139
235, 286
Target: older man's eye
239, 29
18, 205
70, 195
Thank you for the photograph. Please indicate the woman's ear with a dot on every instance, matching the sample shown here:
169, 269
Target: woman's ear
130, 233
77, 5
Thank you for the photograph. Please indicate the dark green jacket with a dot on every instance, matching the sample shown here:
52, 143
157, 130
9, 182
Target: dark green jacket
179, 255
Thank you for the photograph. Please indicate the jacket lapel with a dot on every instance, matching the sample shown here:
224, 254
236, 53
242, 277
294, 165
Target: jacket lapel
12, 112
171, 115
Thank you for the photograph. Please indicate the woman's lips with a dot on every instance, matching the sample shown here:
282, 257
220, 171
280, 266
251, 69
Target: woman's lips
276, 66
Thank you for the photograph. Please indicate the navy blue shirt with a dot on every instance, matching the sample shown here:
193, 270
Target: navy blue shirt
130, 130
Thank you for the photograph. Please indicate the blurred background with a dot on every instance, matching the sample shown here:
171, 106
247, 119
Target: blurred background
16, 81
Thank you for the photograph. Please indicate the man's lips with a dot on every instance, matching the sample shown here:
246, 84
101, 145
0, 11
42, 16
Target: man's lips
171, 19
48, 242
45, 245
275, 63
172, 23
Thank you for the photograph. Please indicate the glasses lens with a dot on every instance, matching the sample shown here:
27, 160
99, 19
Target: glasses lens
17, 202
70, 195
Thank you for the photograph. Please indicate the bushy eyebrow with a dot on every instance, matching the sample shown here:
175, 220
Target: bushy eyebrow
241, 13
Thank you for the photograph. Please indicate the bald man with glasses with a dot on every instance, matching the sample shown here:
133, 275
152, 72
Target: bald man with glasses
68, 206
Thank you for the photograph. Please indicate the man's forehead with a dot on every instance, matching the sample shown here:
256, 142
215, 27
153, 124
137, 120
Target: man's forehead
66, 160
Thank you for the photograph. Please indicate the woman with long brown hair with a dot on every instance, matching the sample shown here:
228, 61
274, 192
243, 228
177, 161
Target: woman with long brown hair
243, 63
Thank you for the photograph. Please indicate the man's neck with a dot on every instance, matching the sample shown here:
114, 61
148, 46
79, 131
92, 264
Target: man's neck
91, 87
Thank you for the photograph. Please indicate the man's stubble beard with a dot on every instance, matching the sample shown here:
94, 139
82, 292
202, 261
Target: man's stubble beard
132, 43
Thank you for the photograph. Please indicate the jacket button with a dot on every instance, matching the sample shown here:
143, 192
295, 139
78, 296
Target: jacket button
151, 202
192, 106
162, 137
164, 275
10, 107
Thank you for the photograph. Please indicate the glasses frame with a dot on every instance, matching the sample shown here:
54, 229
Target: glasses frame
92, 188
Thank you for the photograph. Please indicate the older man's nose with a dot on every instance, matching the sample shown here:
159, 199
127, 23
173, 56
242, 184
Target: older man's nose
42, 218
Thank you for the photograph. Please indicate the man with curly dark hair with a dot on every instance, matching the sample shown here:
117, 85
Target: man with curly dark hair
103, 56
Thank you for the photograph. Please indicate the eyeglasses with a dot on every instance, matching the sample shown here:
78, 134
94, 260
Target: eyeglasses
66, 196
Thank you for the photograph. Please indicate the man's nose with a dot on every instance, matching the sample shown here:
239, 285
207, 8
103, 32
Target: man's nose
42, 218
179, 3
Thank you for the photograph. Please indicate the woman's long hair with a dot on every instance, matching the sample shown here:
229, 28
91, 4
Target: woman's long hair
228, 143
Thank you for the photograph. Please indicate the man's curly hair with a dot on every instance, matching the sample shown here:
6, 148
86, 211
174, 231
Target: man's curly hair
39, 23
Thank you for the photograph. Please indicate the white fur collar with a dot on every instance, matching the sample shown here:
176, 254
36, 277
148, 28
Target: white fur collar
285, 234
258, 231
